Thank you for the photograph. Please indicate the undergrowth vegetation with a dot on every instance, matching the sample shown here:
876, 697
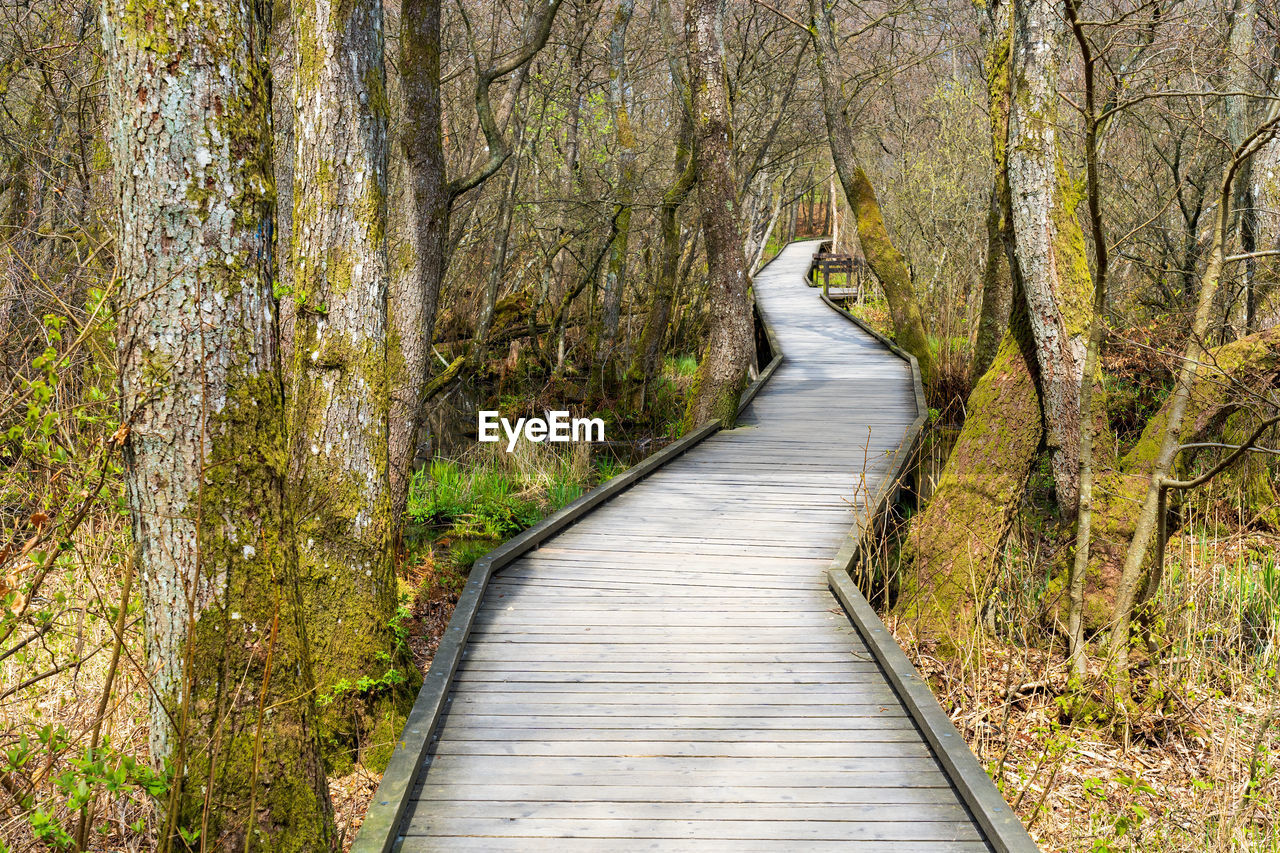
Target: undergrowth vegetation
1195, 764
74, 686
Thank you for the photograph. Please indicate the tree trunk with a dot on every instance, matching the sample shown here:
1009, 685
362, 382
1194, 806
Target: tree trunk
997, 280
730, 335
954, 543
418, 264
338, 401
205, 458
1053, 267
648, 355
882, 255
615, 276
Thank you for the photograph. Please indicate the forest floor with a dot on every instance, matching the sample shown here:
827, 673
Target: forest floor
1200, 770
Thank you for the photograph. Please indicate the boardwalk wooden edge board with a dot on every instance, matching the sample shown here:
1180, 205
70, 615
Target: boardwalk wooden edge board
1004, 830
380, 830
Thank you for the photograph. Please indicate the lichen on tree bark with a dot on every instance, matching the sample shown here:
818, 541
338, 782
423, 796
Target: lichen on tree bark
190, 133
1053, 267
338, 379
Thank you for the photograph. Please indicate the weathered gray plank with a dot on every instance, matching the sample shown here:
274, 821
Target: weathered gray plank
467, 844
887, 730
453, 743
922, 829
877, 812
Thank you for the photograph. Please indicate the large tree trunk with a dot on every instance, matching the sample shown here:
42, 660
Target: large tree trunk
730, 336
338, 401
997, 279
954, 544
418, 262
1053, 267
882, 255
232, 700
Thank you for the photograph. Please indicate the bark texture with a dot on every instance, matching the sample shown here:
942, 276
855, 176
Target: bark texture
1053, 267
953, 545
420, 237
997, 278
198, 353
882, 255
338, 402
730, 339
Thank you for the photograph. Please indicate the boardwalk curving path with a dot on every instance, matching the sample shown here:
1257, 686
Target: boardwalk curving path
671, 672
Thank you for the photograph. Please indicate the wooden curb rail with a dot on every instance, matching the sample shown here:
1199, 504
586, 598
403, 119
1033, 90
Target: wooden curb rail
1004, 831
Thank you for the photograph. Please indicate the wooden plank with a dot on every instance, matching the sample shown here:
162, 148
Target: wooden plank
467, 844
453, 743
503, 790
471, 773
922, 829
891, 730
889, 718
521, 809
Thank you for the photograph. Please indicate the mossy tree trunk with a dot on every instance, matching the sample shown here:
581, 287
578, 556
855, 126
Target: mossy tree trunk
232, 704
886, 262
1053, 267
954, 544
421, 255
338, 380
419, 238
997, 279
730, 335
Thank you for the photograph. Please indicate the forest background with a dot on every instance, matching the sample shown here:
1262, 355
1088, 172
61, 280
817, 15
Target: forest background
261, 263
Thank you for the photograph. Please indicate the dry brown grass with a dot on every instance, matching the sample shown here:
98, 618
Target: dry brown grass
1199, 769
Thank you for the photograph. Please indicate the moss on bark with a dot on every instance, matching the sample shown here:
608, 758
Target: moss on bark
953, 544
1251, 363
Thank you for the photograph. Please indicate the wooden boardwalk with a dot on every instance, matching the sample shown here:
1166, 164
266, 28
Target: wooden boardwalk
671, 672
